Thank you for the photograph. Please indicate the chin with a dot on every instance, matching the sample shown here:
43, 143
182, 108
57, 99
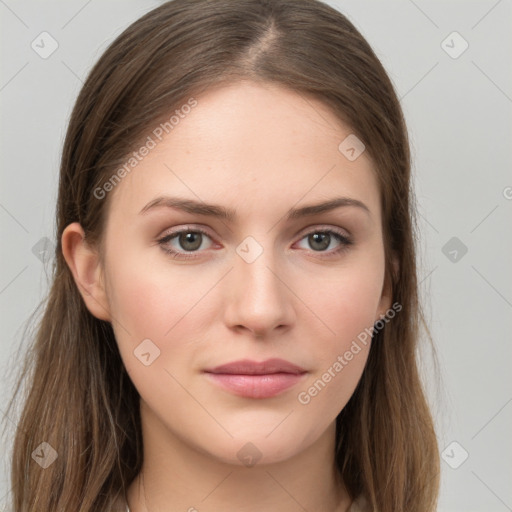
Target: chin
256, 449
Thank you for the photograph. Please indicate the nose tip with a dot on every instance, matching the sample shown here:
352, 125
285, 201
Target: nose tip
259, 302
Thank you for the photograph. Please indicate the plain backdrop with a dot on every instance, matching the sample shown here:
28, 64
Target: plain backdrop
450, 62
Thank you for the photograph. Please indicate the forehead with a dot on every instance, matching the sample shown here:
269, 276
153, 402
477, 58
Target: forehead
251, 146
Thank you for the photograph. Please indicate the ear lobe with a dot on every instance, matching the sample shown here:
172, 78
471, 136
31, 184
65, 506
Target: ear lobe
85, 265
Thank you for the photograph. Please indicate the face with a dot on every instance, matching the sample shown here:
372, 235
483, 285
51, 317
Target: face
187, 290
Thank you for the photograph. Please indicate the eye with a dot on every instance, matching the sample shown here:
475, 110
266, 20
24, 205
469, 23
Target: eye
188, 240
320, 240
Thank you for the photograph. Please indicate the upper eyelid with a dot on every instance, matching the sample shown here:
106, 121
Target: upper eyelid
185, 229
307, 229
323, 227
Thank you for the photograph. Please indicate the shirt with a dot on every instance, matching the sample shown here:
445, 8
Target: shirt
359, 505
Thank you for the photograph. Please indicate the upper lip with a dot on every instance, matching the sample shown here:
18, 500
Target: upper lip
248, 367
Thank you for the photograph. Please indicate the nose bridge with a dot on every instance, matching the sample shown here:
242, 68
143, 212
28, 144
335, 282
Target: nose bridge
258, 298
257, 274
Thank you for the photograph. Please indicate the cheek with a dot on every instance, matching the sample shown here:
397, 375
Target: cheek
346, 302
149, 295
142, 302
156, 306
345, 312
161, 302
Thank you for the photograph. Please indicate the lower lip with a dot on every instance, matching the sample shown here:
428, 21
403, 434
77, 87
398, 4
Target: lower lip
256, 386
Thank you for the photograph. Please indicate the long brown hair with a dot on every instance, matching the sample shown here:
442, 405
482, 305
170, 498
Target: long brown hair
80, 399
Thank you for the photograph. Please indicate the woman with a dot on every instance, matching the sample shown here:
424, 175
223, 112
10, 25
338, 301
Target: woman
234, 302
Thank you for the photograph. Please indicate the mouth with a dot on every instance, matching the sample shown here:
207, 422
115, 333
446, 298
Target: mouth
251, 379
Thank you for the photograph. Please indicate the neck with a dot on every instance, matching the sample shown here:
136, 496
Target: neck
175, 476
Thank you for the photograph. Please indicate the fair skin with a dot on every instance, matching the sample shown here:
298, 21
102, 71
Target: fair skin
260, 151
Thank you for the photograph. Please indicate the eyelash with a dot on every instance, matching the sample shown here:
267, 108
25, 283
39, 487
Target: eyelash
345, 242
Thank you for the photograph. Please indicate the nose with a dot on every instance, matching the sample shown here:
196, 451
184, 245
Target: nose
259, 297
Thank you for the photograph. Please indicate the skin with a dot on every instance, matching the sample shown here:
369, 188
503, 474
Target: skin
261, 150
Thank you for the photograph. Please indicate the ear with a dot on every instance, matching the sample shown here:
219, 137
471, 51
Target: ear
85, 265
386, 298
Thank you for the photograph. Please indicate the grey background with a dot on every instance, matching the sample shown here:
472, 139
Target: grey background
459, 116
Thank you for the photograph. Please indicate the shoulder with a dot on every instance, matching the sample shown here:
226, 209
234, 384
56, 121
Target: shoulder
120, 505
360, 504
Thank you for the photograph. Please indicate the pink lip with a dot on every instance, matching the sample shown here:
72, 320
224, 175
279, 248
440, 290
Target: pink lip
254, 379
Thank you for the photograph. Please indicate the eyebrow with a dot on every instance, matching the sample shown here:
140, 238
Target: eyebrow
229, 214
